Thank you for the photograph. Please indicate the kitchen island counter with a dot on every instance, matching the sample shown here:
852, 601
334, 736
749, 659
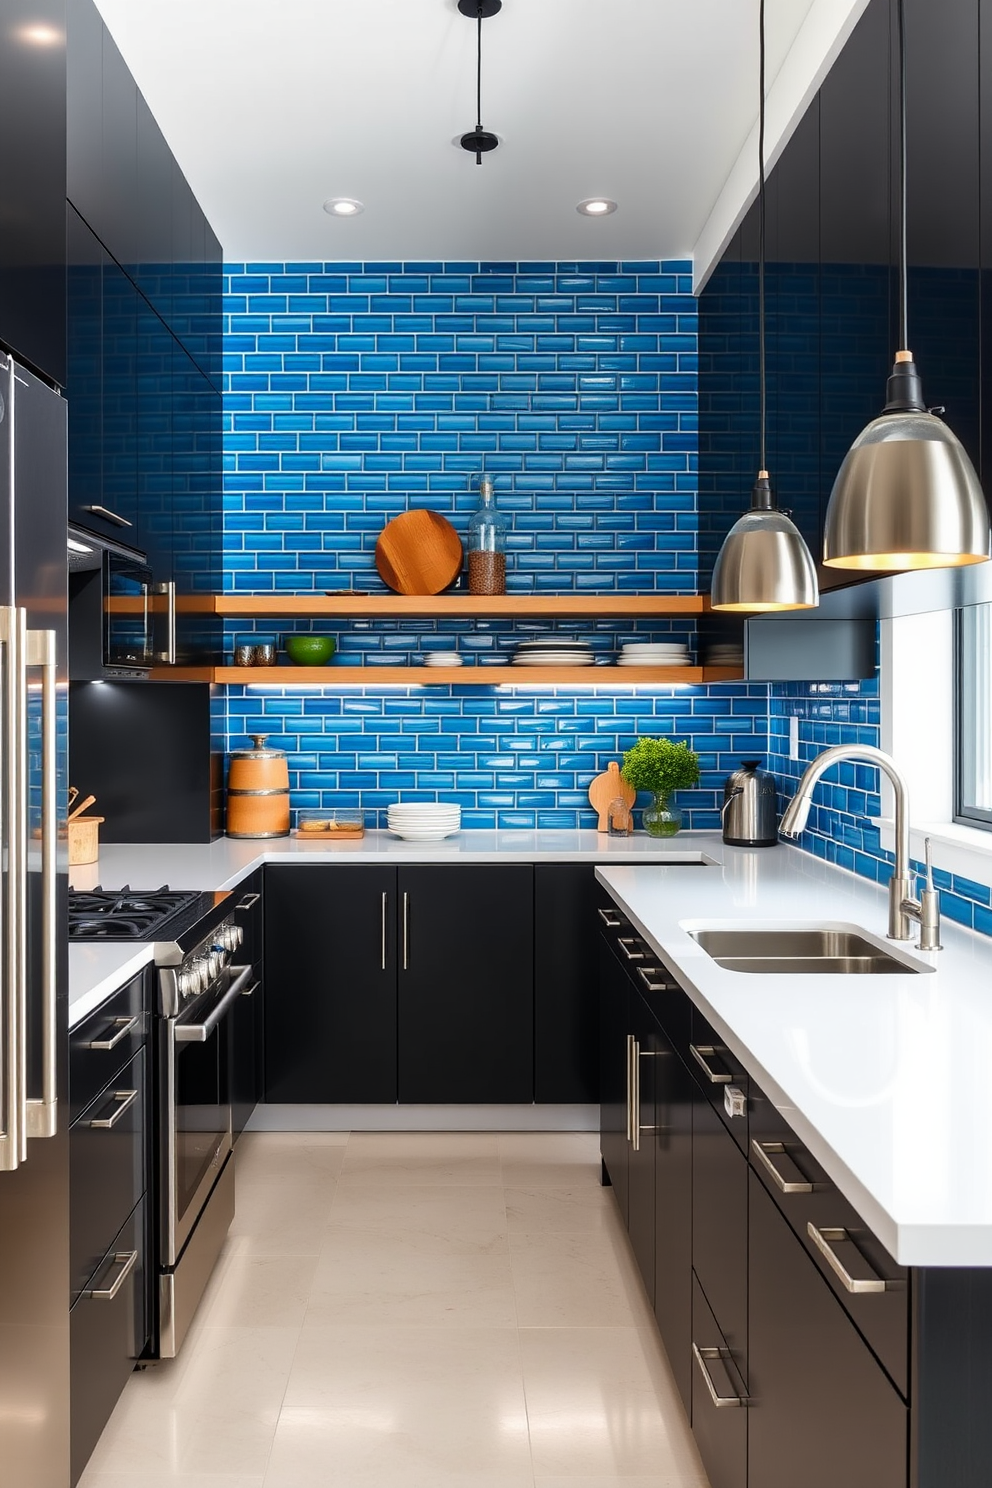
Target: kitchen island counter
883, 1077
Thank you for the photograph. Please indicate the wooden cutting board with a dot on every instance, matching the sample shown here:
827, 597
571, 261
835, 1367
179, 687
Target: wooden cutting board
605, 789
418, 552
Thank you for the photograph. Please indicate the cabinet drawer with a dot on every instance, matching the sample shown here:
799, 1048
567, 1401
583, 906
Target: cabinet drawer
719, 1226
106, 1168
108, 1331
719, 1398
874, 1290
248, 913
719, 1071
105, 1042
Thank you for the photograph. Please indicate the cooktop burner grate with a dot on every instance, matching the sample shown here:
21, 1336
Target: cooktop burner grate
124, 914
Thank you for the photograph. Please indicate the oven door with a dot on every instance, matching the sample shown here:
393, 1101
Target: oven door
196, 1108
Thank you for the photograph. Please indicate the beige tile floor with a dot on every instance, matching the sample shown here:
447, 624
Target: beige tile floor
412, 1310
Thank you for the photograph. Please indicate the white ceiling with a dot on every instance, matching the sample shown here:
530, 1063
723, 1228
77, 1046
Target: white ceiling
270, 108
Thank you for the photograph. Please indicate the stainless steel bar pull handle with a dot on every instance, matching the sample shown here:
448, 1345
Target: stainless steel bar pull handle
630, 1087
168, 656
42, 1112
406, 932
125, 1260
701, 1355
13, 770
635, 1096
123, 1101
104, 511
610, 918
248, 901
822, 1240
703, 1052
761, 1151
647, 976
124, 1026
630, 949
385, 901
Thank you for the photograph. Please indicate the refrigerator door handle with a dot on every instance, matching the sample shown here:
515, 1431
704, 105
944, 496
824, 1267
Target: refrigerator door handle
13, 772
42, 1113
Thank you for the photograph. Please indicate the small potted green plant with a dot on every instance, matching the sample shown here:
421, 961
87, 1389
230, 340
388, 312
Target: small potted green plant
661, 767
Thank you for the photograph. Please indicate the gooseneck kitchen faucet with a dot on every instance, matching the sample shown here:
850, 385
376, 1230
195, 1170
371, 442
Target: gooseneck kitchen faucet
902, 906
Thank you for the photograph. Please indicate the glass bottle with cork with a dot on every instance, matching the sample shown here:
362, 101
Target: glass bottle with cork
486, 543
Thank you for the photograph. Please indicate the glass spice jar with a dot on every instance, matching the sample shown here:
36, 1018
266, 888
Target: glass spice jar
486, 544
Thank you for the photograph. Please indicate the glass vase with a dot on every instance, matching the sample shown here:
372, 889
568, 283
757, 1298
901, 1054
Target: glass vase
661, 818
486, 544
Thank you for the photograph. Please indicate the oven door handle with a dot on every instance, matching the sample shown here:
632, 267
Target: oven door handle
198, 1033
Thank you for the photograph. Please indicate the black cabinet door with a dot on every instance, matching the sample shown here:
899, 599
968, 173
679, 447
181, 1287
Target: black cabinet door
32, 183
243, 1058
674, 1090
153, 369
84, 384
118, 224
120, 409
644, 1055
153, 269
566, 984
330, 1005
718, 1410
822, 1412
719, 1225
466, 984
614, 1071
84, 107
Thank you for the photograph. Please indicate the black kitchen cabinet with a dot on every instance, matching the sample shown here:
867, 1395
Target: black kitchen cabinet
153, 385
675, 1097
152, 269
566, 985
32, 184
614, 1072
645, 1052
84, 386
245, 1060
719, 1227
466, 984
718, 1401
821, 1411
117, 224
118, 517
330, 1008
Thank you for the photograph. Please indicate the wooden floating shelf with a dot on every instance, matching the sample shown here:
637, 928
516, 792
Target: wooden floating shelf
458, 606
465, 676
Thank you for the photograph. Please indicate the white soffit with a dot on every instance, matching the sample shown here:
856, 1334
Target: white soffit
273, 108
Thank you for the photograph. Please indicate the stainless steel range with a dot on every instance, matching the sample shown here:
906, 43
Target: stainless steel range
198, 985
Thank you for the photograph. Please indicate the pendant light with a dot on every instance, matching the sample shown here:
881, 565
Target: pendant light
764, 564
906, 495
478, 140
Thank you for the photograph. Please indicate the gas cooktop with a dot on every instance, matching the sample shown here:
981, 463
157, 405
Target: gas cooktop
129, 914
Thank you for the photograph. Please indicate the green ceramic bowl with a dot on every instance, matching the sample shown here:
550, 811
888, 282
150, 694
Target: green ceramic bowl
310, 650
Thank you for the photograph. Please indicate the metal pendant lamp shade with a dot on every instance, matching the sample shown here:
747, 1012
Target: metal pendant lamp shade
764, 564
906, 495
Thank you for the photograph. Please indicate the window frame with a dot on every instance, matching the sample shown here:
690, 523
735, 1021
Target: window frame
964, 813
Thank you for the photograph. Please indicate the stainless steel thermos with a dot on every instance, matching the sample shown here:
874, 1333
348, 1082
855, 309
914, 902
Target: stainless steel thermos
748, 815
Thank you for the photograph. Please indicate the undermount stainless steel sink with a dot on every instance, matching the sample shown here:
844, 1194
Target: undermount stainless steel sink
823, 951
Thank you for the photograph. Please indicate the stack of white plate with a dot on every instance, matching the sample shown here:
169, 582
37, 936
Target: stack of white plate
554, 651
654, 654
424, 821
442, 658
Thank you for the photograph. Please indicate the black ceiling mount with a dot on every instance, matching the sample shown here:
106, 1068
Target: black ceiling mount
479, 141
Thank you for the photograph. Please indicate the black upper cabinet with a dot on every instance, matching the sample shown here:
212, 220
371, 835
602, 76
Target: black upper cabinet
153, 269
32, 183
84, 382
120, 401
84, 92
466, 985
155, 353
118, 224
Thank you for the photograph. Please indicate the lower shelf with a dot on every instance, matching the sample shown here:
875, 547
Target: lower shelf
466, 676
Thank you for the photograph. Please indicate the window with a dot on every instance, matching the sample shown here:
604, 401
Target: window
974, 716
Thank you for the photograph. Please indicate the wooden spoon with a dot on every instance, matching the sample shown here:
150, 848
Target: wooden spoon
78, 810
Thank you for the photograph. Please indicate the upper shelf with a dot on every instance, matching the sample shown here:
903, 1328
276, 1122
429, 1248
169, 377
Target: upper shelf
456, 606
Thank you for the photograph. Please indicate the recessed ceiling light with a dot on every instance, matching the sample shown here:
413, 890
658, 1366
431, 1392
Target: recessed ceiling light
596, 206
343, 206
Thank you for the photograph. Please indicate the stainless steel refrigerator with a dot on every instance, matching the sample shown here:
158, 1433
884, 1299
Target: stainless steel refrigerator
34, 1152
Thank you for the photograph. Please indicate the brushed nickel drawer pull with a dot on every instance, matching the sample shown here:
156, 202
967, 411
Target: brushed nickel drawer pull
385, 901
124, 1026
630, 1086
854, 1284
127, 1260
406, 932
701, 1355
652, 986
702, 1052
630, 955
248, 901
762, 1150
635, 1095
611, 924
125, 1099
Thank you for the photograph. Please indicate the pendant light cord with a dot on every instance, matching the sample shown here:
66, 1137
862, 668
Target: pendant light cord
903, 252
478, 74
761, 227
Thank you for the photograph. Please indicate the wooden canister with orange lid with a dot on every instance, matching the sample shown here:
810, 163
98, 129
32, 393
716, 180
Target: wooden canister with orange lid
258, 792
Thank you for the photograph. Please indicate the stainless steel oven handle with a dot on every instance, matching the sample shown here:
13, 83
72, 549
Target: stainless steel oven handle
42, 1112
124, 1100
127, 1260
198, 1033
124, 1026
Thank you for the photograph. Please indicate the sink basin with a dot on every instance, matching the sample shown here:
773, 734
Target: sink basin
821, 951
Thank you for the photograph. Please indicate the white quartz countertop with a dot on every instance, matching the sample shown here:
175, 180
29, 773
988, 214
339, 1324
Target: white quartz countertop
887, 1079
98, 970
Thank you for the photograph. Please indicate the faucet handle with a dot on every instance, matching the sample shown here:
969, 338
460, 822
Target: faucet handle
928, 853
929, 906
